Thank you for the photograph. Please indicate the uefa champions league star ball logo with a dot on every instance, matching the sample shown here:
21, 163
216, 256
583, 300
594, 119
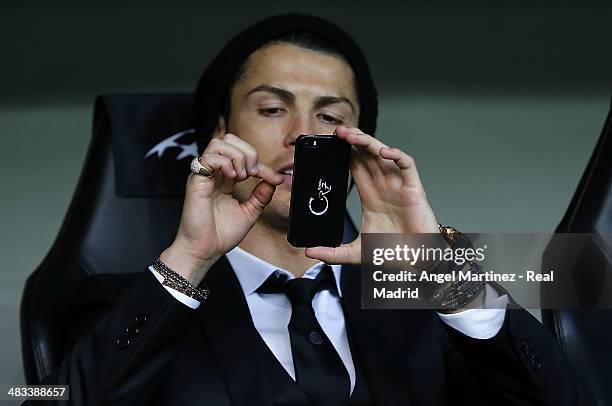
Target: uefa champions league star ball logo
187, 150
318, 206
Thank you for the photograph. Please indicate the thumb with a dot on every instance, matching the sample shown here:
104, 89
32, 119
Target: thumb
344, 254
259, 199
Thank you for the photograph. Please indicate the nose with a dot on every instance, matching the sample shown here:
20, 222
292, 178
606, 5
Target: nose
301, 124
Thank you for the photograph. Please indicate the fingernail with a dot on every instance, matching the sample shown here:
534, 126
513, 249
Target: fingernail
255, 168
233, 173
243, 172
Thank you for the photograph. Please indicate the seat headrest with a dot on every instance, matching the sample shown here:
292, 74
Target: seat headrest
153, 141
590, 210
129, 196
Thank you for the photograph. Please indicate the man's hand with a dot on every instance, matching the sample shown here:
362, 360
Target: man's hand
213, 221
392, 197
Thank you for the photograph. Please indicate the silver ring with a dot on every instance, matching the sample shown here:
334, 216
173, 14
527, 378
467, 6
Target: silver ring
199, 169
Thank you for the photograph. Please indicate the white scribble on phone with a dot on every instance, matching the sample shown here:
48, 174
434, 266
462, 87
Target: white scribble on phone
322, 190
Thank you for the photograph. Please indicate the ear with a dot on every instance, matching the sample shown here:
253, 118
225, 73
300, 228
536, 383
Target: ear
219, 131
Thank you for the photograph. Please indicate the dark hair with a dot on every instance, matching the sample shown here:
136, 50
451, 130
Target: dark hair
212, 94
303, 39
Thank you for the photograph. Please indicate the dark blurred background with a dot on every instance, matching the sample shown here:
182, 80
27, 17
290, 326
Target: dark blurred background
500, 102
67, 51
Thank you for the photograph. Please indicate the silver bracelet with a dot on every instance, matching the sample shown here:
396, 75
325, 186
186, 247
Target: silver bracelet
175, 281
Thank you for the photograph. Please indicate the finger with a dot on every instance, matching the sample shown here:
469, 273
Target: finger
403, 160
370, 149
258, 200
374, 147
406, 165
355, 136
268, 174
249, 152
369, 146
218, 163
252, 164
344, 254
219, 146
358, 167
347, 134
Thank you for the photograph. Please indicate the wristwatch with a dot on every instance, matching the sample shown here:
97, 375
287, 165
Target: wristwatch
458, 293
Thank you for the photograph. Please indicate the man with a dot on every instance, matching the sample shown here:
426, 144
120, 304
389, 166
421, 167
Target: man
254, 339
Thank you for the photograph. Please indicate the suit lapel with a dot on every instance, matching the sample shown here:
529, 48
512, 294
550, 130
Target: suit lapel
233, 338
380, 343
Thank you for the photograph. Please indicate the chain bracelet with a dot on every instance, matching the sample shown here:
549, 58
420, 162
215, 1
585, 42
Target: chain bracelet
175, 281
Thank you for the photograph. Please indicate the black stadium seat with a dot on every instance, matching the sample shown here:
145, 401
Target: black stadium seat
119, 218
586, 335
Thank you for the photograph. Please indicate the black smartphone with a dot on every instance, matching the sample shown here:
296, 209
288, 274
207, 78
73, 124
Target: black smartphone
318, 191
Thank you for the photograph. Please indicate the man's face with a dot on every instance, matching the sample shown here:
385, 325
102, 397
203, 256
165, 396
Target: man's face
287, 91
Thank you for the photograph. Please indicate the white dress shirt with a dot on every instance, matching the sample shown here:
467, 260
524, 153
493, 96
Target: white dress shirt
271, 312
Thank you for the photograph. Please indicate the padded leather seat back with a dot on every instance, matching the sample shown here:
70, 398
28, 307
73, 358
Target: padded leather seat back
586, 335
124, 212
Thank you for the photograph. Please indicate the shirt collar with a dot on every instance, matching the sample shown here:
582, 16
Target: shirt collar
252, 271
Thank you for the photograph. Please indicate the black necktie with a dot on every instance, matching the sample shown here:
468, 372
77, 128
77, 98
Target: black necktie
318, 368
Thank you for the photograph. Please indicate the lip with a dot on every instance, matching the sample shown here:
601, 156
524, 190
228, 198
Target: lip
285, 167
287, 179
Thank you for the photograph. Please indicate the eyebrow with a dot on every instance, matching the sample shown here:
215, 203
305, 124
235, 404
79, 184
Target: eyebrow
323, 101
284, 94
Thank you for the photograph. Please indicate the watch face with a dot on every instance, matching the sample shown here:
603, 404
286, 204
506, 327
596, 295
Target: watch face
455, 238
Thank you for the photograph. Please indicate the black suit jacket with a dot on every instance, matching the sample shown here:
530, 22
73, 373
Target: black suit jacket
135, 344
